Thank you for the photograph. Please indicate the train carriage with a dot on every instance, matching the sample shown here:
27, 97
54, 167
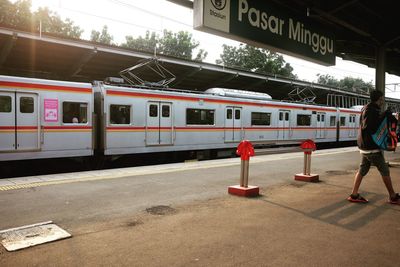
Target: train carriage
140, 120
44, 119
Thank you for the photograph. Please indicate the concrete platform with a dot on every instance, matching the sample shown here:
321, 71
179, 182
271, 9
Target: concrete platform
291, 223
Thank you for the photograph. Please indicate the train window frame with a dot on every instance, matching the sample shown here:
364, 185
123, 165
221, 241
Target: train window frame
229, 113
6, 104
165, 114
72, 116
197, 122
253, 120
153, 112
26, 109
332, 123
308, 116
112, 122
238, 114
343, 123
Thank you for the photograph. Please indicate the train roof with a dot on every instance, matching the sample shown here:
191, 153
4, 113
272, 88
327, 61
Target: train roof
222, 94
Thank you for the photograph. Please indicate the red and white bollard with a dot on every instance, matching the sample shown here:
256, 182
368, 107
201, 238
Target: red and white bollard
308, 146
245, 150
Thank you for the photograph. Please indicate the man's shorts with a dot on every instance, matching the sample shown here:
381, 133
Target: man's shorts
375, 159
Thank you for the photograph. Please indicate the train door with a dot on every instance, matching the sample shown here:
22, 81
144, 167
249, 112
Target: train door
321, 129
283, 125
19, 121
233, 124
27, 121
7, 121
352, 126
159, 123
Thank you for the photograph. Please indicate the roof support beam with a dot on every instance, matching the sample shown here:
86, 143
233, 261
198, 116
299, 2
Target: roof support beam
258, 83
342, 23
5, 51
77, 67
228, 78
349, 3
187, 75
184, 3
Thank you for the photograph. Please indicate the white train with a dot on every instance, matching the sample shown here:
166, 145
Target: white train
47, 119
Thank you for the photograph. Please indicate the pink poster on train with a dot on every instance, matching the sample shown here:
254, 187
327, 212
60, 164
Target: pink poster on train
50, 110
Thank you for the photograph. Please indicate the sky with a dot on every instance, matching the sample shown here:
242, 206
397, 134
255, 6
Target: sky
135, 17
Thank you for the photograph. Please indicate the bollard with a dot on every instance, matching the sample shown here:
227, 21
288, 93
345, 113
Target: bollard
245, 150
308, 146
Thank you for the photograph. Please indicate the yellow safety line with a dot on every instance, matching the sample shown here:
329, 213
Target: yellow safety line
44, 183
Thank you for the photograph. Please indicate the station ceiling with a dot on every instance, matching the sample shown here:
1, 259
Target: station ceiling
359, 26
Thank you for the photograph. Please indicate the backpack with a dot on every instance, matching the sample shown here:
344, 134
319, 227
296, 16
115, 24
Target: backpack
386, 137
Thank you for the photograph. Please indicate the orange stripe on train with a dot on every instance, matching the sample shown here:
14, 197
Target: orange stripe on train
46, 87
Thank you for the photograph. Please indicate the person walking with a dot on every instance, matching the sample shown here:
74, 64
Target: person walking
371, 154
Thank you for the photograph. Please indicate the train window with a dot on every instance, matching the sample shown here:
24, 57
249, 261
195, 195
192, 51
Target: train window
281, 116
200, 116
237, 114
5, 103
342, 121
287, 116
318, 117
120, 114
229, 114
323, 117
303, 120
260, 118
26, 105
153, 111
74, 112
332, 121
165, 111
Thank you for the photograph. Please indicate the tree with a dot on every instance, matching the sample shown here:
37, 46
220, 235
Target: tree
328, 80
355, 84
104, 37
179, 44
347, 83
147, 43
52, 23
255, 59
19, 15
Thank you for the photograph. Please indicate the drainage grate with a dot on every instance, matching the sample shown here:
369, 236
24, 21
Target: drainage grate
161, 210
31, 235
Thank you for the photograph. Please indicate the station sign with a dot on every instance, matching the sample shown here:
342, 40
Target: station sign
264, 24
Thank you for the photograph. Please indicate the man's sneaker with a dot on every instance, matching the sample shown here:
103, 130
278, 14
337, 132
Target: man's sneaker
395, 200
357, 198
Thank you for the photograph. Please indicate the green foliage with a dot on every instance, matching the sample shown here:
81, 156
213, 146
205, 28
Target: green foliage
146, 44
104, 37
255, 59
52, 23
327, 80
19, 15
347, 83
177, 44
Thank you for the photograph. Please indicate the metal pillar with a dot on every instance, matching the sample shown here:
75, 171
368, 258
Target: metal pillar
380, 67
